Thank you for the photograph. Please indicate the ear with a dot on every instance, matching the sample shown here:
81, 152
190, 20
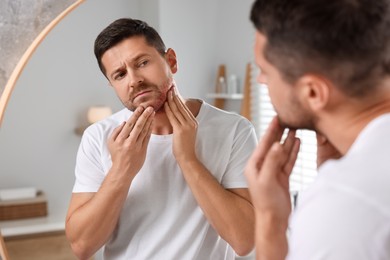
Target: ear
170, 57
314, 91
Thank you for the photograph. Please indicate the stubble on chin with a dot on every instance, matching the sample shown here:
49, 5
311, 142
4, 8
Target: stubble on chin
285, 125
306, 123
158, 100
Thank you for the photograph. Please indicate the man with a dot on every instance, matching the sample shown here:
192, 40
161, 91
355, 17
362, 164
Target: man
162, 178
327, 67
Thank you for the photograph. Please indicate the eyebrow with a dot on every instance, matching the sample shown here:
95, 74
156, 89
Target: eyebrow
117, 70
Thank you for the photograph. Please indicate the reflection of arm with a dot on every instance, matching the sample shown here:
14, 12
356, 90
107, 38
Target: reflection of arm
93, 216
230, 212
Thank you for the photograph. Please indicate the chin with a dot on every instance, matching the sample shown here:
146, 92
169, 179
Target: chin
157, 106
304, 124
157, 102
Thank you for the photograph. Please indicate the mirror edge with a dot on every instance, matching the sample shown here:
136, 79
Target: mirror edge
6, 95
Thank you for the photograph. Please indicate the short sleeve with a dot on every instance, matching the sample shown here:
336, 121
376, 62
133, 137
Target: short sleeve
244, 143
89, 171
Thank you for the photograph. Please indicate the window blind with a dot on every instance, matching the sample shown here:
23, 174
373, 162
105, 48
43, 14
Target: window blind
305, 168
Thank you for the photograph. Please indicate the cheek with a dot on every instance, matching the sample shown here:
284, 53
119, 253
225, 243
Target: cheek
272, 92
167, 85
163, 96
279, 97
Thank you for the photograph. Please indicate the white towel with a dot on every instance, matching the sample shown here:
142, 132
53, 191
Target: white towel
18, 193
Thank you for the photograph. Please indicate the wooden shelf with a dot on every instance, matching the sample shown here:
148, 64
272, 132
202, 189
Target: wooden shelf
220, 98
36, 239
225, 95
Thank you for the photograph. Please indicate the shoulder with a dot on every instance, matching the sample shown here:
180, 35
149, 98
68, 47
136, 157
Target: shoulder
214, 115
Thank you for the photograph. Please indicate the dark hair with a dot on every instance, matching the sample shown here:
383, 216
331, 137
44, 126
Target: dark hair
347, 41
122, 29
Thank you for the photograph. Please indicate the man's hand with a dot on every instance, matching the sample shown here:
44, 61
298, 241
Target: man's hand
184, 127
268, 171
128, 143
229, 212
325, 150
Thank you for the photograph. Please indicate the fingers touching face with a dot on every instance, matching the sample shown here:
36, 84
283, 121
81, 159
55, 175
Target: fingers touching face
176, 110
138, 126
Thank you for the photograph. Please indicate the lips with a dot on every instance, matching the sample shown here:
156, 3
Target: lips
141, 93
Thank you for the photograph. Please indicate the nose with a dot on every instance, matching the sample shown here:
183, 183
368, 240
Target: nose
135, 78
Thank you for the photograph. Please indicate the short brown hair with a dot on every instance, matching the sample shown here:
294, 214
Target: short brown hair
348, 41
122, 29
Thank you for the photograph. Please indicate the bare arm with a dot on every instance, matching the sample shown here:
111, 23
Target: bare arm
230, 212
92, 217
268, 171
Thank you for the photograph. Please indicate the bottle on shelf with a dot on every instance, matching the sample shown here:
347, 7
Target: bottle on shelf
221, 85
232, 86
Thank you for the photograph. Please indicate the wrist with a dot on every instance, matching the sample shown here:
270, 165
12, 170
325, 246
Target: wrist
271, 237
191, 168
271, 224
186, 160
121, 175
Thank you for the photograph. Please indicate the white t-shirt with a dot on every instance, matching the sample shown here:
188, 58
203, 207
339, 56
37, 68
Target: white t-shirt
345, 214
161, 218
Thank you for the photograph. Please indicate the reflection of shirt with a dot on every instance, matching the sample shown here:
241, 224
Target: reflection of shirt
345, 214
161, 219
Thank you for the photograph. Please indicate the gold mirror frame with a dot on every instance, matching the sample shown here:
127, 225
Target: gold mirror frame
5, 96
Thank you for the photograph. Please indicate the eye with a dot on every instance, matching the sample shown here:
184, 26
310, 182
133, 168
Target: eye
143, 63
120, 75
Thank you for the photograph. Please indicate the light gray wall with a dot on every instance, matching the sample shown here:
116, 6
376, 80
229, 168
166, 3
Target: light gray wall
189, 27
37, 140
235, 36
205, 34
235, 41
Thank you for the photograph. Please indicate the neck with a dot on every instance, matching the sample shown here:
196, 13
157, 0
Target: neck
344, 124
161, 124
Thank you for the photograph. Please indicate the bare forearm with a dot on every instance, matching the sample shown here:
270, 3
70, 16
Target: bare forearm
231, 216
271, 240
90, 225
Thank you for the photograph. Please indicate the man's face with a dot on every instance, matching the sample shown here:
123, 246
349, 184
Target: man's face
139, 74
284, 96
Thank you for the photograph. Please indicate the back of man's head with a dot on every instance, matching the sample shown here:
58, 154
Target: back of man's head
347, 41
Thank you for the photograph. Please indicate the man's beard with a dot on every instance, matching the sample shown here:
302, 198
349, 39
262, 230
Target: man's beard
156, 101
303, 123
296, 117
